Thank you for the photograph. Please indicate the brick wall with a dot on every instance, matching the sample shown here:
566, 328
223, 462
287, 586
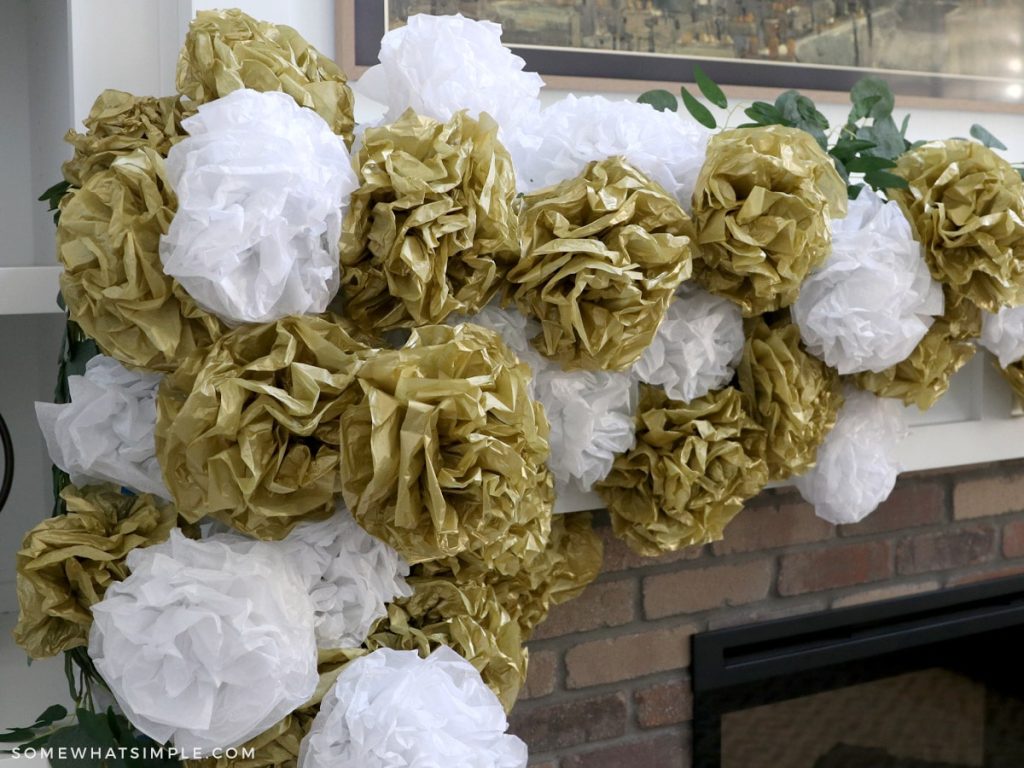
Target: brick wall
609, 681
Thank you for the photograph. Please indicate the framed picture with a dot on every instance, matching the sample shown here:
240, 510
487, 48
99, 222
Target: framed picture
963, 50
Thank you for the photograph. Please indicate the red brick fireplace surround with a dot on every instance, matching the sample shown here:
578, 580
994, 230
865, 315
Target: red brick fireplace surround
609, 681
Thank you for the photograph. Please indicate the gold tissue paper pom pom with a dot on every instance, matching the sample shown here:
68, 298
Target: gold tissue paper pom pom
469, 619
688, 474
559, 572
966, 205
763, 204
113, 284
433, 227
924, 376
602, 257
120, 123
278, 746
1014, 375
445, 452
228, 50
66, 563
249, 432
794, 396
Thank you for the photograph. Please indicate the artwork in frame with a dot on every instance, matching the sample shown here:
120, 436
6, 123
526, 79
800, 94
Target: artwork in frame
948, 49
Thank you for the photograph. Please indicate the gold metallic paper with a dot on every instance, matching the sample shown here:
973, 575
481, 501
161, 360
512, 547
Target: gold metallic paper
113, 282
559, 572
118, 124
602, 257
924, 376
794, 396
1014, 375
433, 227
228, 50
66, 563
445, 452
688, 474
250, 431
762, 205
468, 618
966, 205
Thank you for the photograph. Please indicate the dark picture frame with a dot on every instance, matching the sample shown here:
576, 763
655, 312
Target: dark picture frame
362, 23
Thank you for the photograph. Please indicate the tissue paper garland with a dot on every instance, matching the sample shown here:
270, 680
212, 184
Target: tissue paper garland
113, 284
793, 396
469, 619
590, 413
350, 575
558, 143
117, 125
1002, 334
924, 376
228, 50
857, 466
205, 646
688, 475
602, 257
67, 562
762, 207
697, 346
262, 187
441, 65
106, 432
249, 431
446, 451
966, 205
374, 718
433, 226
873, 300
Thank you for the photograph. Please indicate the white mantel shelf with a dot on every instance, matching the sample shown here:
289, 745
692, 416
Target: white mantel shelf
29, 290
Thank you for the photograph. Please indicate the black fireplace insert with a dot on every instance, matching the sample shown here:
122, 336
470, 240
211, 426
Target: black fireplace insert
928, 681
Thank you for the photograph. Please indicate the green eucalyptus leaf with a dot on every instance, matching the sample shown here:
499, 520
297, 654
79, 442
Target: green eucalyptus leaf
904, 124
981, 134
660, 99
763, 113
886, 137
710, 88
885, 180
698, 111
867, 163
853, 190
51, 715
67, 741
96, 726
800, 112
871, 97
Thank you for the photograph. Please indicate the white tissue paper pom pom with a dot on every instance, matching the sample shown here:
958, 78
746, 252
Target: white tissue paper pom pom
1002, 334
392, 709
105, 434
590, 412
262, 185
206, 645
351, 576
873, 300
575, 131
697, 346
856, 467
439, 65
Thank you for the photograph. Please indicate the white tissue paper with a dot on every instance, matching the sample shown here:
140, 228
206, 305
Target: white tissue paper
262, 187
590, 412
697, 346
873, 300
206, 645
856, 467
438, 65
350, 574
572, 132
1002, 334
392, 709
105, 434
